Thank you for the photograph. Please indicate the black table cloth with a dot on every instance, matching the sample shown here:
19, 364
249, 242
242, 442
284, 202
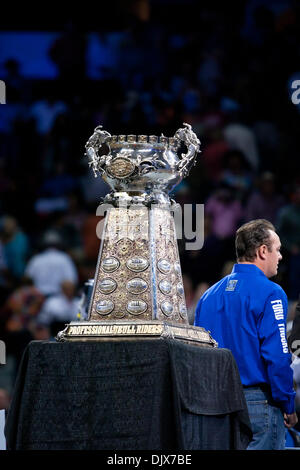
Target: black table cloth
127, 395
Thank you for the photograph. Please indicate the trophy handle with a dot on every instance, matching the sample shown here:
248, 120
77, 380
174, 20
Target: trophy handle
95, 142
190, 139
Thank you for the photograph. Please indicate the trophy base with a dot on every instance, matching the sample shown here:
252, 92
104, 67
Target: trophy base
132, 330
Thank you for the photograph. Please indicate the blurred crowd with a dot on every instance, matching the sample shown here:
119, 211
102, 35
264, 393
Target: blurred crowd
228, 76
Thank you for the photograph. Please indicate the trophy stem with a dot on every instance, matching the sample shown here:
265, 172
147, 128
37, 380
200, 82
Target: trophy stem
138, 288
138, 274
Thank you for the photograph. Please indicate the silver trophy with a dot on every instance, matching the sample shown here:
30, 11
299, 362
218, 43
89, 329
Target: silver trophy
138, 289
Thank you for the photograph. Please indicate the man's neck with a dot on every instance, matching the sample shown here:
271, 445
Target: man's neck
254, 263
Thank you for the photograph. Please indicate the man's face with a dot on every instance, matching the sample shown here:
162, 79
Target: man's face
274, 256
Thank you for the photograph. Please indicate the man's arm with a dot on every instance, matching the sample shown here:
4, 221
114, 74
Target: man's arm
290, 420
275, 352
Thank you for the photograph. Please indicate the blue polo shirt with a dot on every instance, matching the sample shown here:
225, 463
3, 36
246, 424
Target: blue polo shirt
246, 313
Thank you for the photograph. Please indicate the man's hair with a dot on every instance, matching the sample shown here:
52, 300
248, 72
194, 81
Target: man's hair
250, 236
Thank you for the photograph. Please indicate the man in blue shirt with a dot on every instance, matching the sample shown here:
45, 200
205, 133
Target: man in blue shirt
246, 313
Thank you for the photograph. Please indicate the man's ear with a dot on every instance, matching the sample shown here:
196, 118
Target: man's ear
262, 252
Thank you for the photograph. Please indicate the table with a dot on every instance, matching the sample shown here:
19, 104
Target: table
152, 394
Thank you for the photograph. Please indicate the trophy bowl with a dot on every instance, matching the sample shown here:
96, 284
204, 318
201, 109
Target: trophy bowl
142, 164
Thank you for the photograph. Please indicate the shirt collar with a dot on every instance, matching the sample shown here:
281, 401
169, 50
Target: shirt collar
247, 268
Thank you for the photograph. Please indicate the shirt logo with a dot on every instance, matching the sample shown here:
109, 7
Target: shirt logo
278, 309
231, 285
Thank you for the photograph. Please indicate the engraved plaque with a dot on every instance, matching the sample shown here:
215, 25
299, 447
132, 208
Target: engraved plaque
136, 285
165, 287
109, 265
107, 286
167, 308
136, 307
164, 266
179, 288
104, 307
137, 264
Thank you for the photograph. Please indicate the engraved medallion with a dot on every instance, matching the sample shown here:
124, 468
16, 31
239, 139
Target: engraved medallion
137, 264
124, 246
182, 310
136, 285
121, 168
167, 308
119, 314
136, 307
180, 290
104, 307
107, 286
177, 268
165, 287
109, 265
164, 266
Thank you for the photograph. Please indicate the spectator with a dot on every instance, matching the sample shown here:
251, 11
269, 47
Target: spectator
294, 336
288, 226
226, 212
189, 295
213, 153
68, 53
61, 308
236, 174
198, 292
15, 246
240, 137
15, 81
52, 266
90, 233
76, 214
60, 183
204, 265
44, 112
23, 306
10, 114
69, 233
265, 201
4, 399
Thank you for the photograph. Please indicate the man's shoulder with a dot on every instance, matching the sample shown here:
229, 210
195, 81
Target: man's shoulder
227, 283
272, 288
